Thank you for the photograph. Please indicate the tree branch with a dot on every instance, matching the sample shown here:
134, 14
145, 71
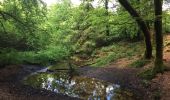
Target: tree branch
3, 26
3, 13
142, 24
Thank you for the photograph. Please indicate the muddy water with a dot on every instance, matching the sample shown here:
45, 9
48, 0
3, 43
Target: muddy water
85, 88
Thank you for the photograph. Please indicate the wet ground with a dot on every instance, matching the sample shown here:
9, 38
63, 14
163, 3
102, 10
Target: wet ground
91, 83
47, 85
65, 82
12, 88
125, 77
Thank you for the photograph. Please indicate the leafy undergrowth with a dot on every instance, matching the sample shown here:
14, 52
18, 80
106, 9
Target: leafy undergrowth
147, 74
139, 63
42, 57
106, 55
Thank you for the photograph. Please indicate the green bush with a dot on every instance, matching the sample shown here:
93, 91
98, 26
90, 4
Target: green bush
49, 55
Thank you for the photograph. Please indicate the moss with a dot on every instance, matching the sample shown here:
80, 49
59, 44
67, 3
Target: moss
159, 67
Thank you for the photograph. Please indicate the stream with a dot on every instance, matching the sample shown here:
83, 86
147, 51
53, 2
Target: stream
67, 83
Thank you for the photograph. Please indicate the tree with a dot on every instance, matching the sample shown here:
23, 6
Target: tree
142, 24
107, 14
23, 19
159, 38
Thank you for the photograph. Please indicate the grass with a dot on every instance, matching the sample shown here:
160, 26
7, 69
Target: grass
106, 55
42, 57
139, 63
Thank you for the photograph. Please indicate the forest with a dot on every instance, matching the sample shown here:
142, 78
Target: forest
84, 49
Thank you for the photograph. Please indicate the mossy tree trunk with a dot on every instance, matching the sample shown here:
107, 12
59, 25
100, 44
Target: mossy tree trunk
159, 37
143, 26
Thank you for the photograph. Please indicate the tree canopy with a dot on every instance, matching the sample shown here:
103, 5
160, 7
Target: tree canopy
51, 33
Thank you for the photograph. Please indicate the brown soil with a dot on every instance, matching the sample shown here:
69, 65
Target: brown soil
164, 85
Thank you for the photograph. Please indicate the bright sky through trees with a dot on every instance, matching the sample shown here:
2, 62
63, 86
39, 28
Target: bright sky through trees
77, 2
49, 2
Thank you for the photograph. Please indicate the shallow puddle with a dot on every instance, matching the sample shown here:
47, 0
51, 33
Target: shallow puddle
75, 86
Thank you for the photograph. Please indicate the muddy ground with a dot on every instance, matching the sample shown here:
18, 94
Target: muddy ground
11, 87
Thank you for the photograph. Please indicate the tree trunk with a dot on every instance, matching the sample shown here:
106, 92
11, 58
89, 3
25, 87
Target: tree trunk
141, 23
159, 37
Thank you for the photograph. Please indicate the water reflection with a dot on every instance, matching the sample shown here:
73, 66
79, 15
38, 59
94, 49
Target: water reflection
81, 87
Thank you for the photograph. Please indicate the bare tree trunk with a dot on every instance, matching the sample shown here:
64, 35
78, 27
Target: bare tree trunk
159, 37
142, 24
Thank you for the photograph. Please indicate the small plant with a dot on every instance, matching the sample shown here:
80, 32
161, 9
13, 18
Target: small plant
105, 55
41, 57
147, 74
146, 83
139, 63
105, 60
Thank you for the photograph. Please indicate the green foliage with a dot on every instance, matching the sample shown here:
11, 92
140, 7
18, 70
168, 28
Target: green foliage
139, 63
166, 22
23, 19
42, 57
116, 51
32, 33
8, 56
